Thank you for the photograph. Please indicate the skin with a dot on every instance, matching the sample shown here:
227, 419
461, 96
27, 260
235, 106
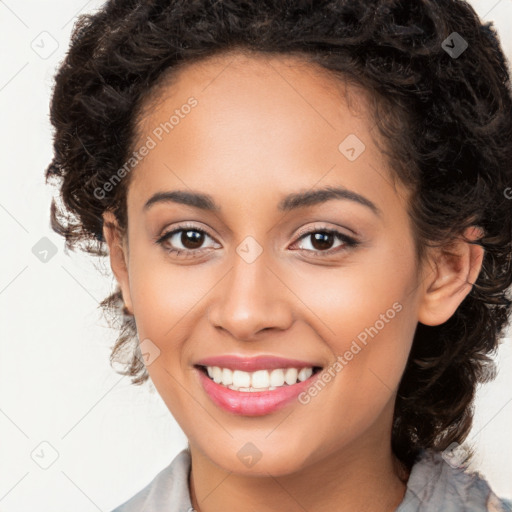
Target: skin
264, 128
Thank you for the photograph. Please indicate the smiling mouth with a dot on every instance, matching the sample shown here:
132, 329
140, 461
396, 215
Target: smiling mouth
260, 380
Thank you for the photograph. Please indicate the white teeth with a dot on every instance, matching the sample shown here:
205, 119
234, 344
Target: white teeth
241, 379
259, 380
290, 376
250, 389
277, 378
227, 376
217, 374
305, 373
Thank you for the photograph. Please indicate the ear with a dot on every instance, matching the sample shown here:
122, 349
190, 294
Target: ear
118, 253
455, 270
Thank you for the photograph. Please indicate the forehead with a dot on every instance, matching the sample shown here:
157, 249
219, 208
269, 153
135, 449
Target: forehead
282, 74
257, 121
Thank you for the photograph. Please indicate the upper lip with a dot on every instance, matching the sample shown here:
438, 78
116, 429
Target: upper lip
251, 364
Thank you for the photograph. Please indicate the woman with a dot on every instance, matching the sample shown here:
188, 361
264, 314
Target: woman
305, 208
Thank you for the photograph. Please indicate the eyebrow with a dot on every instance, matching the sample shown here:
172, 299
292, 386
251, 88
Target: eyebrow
290, 202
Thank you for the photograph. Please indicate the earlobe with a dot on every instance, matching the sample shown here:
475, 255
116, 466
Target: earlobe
456, 268
118, 256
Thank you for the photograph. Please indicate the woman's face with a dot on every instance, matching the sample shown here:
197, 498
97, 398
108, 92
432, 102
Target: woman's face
255, 134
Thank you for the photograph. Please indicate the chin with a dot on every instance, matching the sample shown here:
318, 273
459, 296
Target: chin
250, 460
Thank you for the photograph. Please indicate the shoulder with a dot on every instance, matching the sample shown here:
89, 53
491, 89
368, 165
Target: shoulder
434, 484
168, 488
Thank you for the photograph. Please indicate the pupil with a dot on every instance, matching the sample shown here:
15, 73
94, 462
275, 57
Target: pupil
322, 240
195, 239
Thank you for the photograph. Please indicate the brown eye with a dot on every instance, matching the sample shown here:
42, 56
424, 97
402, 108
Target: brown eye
192, 239
322, 242
184, 241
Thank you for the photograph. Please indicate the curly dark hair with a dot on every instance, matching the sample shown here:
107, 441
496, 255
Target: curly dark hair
446, 121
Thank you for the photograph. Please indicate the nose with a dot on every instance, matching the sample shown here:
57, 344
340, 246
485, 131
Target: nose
253, 298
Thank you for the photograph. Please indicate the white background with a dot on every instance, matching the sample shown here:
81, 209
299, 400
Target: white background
56, 385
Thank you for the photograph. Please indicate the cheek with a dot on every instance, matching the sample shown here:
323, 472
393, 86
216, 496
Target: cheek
168, 302
164, 295
164, 298
366, 314
365, 294
369, 358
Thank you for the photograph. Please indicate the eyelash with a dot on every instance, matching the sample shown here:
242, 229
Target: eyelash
348, 242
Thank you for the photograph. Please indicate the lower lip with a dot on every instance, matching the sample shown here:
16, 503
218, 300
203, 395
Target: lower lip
252, 403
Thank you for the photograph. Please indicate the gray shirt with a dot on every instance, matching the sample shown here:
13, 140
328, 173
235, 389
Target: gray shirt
433, 486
